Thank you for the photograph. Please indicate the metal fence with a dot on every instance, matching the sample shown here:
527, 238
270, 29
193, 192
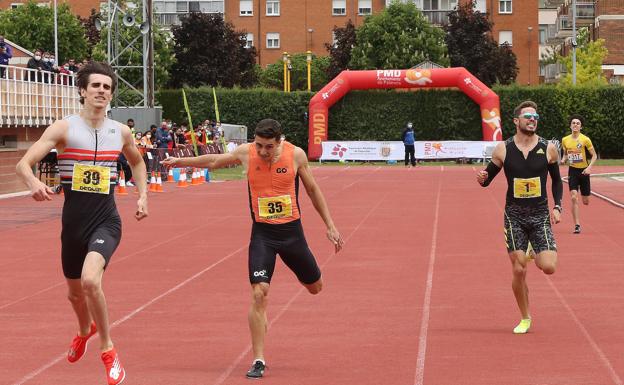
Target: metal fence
30, 97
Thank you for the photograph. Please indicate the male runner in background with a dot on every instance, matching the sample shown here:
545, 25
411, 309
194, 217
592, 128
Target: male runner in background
88, 145
527, 159
575, 148
273, 167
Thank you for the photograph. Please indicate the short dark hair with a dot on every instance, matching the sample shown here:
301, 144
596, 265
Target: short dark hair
268, 129
130, 120
575, 116
523, 105
95, 67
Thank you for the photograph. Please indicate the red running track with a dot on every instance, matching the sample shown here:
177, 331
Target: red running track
420, 295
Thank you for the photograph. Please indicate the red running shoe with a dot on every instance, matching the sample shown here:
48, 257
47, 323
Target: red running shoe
115, 373
78, 346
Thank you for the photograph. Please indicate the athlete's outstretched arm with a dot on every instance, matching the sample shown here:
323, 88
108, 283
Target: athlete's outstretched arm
210, 161
485, 177
51, 138
131, 152
594, 158
318, 200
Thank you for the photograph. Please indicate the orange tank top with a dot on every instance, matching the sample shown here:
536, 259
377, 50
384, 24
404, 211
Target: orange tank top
273, 187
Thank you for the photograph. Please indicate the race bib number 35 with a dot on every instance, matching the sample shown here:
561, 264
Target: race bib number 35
275, 207
91, 179
527, 188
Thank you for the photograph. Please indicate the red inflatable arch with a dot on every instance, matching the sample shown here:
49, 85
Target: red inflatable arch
412, 78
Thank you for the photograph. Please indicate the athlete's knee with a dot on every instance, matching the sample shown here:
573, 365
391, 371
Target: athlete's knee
260, 295
574, 196
76, 297
90, 286
314, 288
549, 267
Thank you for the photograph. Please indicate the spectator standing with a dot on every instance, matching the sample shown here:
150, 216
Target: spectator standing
6, 53
408, 141
35, 63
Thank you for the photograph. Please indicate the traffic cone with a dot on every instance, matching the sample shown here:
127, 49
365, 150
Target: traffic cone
159, 187
170, 176
152, 186
121, 190
182, 178
202, 175
194, 180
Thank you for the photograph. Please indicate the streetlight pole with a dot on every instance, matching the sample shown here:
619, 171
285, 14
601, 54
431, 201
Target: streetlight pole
289, 71
56, 56
309, 60
530, 30
574, 42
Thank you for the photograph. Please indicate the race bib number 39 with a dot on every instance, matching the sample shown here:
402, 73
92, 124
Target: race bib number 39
275, 207
91, 179
527, 188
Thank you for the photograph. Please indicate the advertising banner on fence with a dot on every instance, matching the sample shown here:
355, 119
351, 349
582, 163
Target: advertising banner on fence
370, 150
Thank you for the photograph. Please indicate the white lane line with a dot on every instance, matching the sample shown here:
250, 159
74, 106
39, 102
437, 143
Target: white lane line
424, 323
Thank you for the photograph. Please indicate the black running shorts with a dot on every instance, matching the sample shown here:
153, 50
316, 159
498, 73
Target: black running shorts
76, 243
288, 241
577, 180
524, 224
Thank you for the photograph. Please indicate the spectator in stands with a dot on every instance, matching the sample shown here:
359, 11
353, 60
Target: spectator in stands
180, 138
36, 65
162, 135
6, 53
72, 67
47, 68
153, 128
408, 141
122, 164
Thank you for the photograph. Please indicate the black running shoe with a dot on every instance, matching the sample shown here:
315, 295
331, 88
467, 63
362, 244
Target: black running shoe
257, 370
577, 229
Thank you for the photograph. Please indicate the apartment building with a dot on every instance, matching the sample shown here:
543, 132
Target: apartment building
81, 8
296, 26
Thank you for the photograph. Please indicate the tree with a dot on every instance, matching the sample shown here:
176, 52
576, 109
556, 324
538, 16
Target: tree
340, 52
209, 52
398, 37
470, 45
589, 58
273, 75
91, 32
32, 27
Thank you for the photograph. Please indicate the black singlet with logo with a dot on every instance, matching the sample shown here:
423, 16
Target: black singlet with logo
526, 178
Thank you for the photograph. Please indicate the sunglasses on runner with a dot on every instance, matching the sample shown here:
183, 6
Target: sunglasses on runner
528, 115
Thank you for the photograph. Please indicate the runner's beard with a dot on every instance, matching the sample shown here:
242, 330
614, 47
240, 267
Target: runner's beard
527, 132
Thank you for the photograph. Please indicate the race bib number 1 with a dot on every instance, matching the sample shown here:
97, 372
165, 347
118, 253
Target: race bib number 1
91, 179
275, 207
527, 188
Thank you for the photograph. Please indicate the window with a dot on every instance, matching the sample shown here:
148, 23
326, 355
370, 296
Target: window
182, 7
480, 6
543, 34
246, 7
273, 40
194, 6
339, 7
272, 7
365, 7
504, 6
505, 37
249, 40
211, 6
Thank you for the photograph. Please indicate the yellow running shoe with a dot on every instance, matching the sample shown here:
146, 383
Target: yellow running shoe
523, 326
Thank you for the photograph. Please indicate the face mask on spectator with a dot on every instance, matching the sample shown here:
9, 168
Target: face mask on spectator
66, 67
37, 57
148, 136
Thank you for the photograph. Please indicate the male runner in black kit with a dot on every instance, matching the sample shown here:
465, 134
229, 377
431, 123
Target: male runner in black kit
527, 159
89, 145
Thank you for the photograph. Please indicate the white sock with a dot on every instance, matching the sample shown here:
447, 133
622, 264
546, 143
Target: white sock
257, 359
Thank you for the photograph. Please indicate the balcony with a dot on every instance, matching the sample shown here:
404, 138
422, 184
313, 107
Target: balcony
564, 27
437, 17
553, 72
36, 98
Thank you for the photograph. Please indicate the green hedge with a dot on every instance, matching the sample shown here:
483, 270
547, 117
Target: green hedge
437, 114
